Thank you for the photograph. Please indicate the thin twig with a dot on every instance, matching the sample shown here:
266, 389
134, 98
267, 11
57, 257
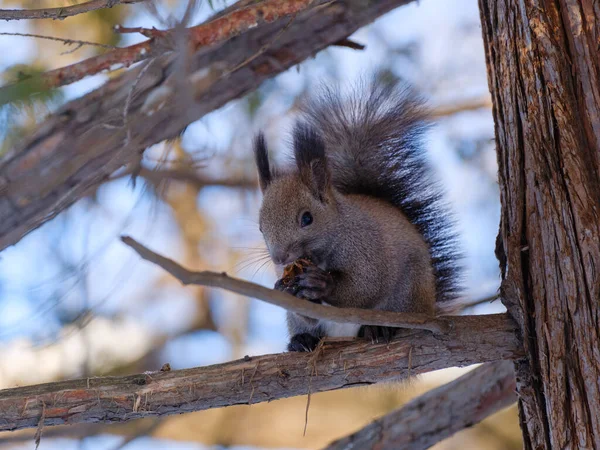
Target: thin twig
130, 96
65, 41
480, 301
462, 106
40, 427
148, 32
312, 364
455, 307
73, 50
307, 404
195, 178
289, 302
349, 43
61, 12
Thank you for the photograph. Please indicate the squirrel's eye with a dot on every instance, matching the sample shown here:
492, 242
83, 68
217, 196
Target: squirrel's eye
306, 219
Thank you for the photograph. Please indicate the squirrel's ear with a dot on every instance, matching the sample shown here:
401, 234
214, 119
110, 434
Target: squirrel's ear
309, 151
261, 156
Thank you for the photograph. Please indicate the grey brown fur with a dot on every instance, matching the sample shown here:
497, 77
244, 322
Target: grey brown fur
376, 228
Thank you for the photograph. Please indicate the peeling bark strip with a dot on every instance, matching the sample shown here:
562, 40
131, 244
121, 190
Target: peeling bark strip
338, 365
61, 12
289, 302
85, 141
544, 75
439, 413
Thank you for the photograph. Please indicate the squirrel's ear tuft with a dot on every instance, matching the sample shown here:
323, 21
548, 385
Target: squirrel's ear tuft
309, 152
261, 156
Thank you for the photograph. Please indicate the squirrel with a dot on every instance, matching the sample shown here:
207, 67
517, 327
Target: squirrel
361, 205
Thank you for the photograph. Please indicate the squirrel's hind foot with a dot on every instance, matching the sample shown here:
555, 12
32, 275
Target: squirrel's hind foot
377, 334
303, 342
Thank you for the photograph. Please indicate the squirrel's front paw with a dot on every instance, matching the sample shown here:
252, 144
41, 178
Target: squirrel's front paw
303, 342
312, 284
377, 334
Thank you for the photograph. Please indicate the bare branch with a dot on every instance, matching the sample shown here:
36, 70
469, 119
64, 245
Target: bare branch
148, 32
473, 339
61, 12
439, 413
217, 30
461, 106
289, 302
65, 41
192, 177
82, 144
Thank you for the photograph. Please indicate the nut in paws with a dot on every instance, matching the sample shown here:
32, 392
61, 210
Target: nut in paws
305, 280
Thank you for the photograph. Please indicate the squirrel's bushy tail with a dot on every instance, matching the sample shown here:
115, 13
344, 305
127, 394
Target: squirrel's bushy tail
374, 141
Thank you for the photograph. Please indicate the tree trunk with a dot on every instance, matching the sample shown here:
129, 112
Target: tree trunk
544, 76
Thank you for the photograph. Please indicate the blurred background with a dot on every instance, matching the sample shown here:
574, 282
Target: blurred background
74, 301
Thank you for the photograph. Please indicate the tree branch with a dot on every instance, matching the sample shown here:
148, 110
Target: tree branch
439, 413
218, 30
192, 177
65, 41
86, 140
336, 365
289, 302
61, 12
461, 106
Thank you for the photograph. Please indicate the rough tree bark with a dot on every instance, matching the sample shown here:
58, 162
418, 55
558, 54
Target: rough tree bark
336, 365
544, 75
85, 141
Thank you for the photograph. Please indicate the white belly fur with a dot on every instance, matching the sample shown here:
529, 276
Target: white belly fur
335, 329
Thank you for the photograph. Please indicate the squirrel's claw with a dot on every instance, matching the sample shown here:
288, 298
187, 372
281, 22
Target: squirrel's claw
313, 284
377, 334
303, 342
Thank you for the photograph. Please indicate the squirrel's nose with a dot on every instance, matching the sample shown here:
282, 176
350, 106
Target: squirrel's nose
281, 257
